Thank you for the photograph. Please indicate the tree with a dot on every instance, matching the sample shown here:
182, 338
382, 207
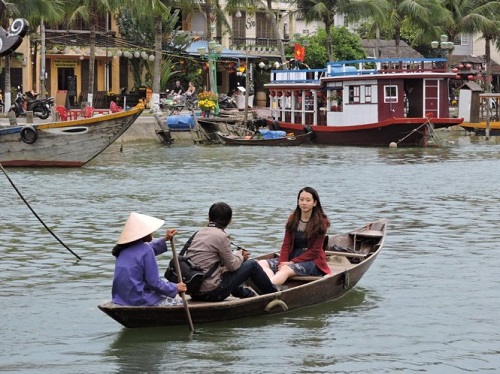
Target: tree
345, 46
424, 16
134, 23
89, 11
474, 16
34, 11
326, 10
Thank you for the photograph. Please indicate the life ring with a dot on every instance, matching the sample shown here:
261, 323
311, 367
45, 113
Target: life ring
276, 303
29, 134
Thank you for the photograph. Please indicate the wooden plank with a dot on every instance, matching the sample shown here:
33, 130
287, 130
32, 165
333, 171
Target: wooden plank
345, 254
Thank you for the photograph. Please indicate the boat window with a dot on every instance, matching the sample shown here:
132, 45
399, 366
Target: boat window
354, 93
390, 94
368, 94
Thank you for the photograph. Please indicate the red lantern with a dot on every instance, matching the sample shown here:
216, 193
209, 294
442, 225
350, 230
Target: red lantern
308, 94
470, 77
468, 66
458, 77
460, 67
320, 94
455, 70
280, 93
295, 93
287, 93
272, 93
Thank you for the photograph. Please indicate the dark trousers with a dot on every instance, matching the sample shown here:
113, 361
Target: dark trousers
231, 283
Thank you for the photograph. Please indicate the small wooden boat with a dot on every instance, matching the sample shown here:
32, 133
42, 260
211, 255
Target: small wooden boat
252, 140
63, 144
349, 256
371, 102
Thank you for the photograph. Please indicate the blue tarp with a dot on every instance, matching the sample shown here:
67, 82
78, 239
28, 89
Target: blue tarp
270, 134
180, 122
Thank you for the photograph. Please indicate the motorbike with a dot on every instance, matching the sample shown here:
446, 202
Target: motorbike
227, 102
30, 102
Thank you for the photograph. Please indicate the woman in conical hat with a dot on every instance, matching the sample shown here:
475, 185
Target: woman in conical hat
136, 279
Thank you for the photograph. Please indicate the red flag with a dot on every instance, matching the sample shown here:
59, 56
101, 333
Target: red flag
300, 52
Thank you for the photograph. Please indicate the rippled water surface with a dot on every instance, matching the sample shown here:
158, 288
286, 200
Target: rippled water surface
429, 303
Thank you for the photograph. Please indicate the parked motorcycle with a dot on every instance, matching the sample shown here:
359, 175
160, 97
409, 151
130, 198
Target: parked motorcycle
227, 102
40, 107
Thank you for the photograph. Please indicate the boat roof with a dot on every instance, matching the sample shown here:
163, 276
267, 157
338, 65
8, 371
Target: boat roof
367, 67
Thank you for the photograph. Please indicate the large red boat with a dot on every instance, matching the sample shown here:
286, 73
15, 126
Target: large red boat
372, 102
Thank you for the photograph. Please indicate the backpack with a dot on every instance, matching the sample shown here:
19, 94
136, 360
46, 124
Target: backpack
191, 274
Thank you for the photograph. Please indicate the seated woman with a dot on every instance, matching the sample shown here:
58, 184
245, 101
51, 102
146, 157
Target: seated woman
302, 249
225, 270
137, 280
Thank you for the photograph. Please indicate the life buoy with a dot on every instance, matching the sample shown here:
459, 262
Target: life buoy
29, 134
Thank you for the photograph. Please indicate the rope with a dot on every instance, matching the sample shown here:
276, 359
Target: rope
36, 215
428, 122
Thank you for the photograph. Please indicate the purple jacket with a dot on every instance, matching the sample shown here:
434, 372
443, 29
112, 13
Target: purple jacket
136, 279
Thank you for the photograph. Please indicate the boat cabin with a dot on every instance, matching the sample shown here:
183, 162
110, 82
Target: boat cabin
348, 93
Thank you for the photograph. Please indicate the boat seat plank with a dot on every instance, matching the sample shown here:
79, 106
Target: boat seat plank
372, 234
345, 254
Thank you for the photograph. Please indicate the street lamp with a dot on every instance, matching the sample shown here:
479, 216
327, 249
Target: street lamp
212, 54
444, 46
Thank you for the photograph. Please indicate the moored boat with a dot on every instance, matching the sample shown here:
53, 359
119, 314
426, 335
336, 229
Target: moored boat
372, 102
349, 256
486, 120
64, 144
249, 140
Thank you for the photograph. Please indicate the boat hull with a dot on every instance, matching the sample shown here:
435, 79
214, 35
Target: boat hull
402, 131
301, 293
278, 142
480, 128
62, 144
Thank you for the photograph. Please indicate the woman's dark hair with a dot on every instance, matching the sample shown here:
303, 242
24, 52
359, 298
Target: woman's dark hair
220, 214
316, 225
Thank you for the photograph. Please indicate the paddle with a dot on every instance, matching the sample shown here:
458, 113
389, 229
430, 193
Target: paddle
179, 279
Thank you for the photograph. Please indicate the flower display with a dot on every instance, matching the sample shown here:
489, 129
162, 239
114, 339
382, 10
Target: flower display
207, 95
206, 101
206, 105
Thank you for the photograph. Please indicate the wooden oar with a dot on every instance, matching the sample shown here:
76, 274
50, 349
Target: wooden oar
179, 279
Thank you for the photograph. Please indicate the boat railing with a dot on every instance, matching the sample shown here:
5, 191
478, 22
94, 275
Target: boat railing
387, 65
360, 67
297, 75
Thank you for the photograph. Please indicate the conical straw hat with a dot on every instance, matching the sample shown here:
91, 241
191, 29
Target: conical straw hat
138, 226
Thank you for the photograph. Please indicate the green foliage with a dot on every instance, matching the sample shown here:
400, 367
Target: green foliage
139, 30
345, 46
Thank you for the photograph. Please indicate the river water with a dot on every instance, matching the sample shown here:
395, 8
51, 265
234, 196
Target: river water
429, 303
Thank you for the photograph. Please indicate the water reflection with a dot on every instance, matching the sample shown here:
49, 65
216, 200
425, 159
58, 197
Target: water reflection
416, 309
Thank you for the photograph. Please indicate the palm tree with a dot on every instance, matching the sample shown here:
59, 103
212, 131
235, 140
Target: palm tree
326, 10
423, 16
135, 25
475, 16
89, 11
34, 11
37, 13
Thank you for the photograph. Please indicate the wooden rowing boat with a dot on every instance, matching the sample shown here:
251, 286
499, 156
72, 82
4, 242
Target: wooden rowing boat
65, 143
349, 256
248, 140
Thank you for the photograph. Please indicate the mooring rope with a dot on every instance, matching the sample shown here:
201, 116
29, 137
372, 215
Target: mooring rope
36, 215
